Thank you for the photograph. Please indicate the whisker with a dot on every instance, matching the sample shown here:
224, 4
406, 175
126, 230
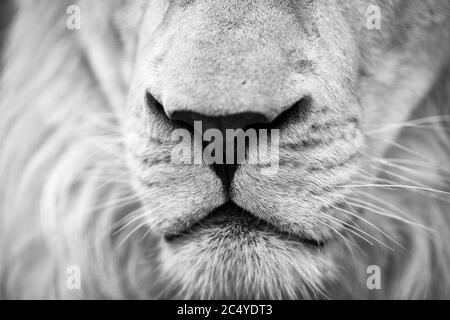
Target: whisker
396, 175
406, 149
378, 210
357, 230
417, 123
138, 216
395, 186
373, 226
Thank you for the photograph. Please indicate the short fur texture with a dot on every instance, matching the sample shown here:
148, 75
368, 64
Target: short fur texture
365, 167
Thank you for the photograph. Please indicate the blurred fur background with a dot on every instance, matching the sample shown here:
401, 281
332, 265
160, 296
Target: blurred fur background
6, 14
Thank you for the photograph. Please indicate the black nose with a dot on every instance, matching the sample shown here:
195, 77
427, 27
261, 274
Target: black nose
243, 121
253, 116
234, 121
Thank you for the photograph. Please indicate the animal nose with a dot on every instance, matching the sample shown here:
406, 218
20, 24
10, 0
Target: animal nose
242, 111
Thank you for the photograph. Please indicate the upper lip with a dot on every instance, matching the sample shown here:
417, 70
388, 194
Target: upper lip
223, 213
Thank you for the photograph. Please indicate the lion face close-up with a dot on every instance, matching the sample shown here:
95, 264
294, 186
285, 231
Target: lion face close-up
99, 100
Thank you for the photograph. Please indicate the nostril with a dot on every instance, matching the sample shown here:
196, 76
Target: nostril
235, 121
153, 104
298, 112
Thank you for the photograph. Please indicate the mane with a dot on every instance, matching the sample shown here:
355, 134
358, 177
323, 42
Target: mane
66, 196
65, 183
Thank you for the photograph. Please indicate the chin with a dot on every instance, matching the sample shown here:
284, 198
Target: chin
232, 255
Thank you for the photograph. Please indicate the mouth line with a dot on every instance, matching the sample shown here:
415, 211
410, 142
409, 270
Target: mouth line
232, 213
